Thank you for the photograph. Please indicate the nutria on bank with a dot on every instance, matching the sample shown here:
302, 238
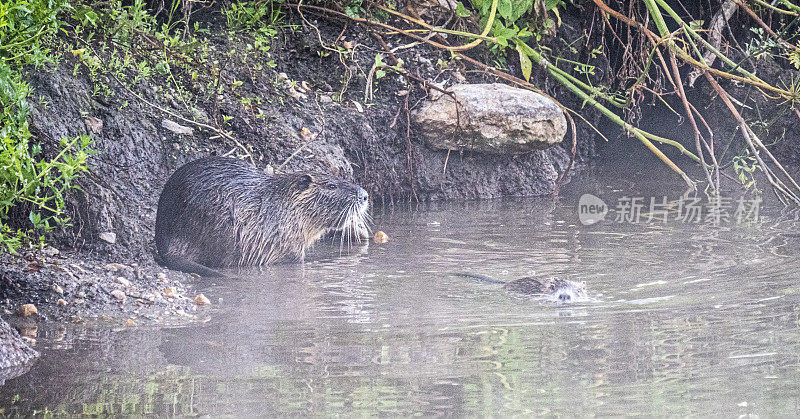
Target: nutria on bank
222, 212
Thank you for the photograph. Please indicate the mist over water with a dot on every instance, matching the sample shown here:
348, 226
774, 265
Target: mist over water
685, 318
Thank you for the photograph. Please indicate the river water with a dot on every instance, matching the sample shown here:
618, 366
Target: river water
692, 317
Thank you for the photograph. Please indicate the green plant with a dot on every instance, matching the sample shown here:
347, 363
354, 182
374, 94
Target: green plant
355, 9
28, 178
250, 16
518, 19
745, 167
382, 69
761, 46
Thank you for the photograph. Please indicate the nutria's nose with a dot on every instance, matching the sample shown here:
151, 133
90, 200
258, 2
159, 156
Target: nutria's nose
564, 296
363, 196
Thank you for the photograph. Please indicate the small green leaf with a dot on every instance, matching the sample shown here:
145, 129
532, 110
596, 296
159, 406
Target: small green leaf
552, 4
524, 62
524, 47
696, 24
462, 11
504, 9
162, 67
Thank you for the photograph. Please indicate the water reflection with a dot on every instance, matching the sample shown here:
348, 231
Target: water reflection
686, 319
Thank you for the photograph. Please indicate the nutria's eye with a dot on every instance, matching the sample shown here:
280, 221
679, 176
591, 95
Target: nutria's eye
330, 187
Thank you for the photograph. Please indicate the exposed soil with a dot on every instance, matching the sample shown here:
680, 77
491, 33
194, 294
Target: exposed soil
76, 287
299, 107
323, 125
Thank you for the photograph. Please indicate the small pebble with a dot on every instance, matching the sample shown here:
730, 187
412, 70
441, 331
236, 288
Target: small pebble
380, 237
201, 300
57, 289
130, 322
170, 292
26, 310
113, 267
78, 268
124, 282
108, 237
50, 251
30, 330
297, 95
62, 302
119, 295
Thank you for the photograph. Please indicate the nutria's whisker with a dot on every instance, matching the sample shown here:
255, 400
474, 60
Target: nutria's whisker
354, 225
341, 231
347, 228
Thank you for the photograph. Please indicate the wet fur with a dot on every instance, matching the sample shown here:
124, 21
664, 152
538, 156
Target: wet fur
548, 287
551, 288
217, 212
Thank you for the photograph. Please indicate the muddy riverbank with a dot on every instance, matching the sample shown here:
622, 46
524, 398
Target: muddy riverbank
305, 97
294, 106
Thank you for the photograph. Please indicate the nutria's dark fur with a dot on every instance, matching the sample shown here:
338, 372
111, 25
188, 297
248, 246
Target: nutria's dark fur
562, 290
217, 211
557, 289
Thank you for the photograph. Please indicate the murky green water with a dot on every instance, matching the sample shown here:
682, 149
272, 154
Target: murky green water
686, 319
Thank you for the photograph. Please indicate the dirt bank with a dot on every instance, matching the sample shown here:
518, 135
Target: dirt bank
298, 106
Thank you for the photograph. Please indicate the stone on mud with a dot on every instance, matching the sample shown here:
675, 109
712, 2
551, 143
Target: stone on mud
26, 310
50, 251
201, 300
491, 118
176, 127
108, 237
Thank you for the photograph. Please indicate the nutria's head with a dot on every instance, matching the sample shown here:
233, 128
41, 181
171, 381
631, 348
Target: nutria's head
565, 291
328, 203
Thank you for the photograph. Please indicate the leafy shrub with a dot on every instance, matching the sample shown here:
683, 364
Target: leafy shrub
516, 23
255, 16
27, 177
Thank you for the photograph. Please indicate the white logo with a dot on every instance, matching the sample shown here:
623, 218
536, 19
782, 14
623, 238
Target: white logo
591, 209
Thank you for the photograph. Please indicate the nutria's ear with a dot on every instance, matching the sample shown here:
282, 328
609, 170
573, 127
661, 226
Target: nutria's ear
303, 182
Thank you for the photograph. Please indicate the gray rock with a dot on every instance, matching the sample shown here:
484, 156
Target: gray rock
50, 251
176, 127
108, 237
119, 295
492, 118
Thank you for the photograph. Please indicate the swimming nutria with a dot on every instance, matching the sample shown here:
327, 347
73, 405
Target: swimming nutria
219, 211
561, 290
